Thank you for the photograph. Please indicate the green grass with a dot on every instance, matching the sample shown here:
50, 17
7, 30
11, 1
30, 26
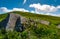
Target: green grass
35, 16
52, 19
3, 16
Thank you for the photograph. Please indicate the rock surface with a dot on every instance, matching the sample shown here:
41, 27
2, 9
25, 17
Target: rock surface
44, 22
13, 22
5, 21
58, 26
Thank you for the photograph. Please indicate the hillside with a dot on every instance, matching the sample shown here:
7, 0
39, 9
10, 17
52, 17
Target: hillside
37, 26
52, 19
34, 16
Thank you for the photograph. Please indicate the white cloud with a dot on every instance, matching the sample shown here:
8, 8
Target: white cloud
45, 8
58, 15
20, 9
32, 11
40, 11
58, 7
4, 9
24, 2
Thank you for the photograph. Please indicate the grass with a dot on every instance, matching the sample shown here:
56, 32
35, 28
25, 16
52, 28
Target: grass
3, 16
52, 19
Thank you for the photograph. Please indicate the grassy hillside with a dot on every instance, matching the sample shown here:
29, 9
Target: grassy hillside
40, 31
3, 16
34, 16
52, 19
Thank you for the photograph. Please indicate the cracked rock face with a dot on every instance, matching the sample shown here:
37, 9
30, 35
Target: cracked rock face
14, 22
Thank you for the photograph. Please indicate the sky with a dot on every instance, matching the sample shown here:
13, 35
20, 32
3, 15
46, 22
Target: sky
46, 7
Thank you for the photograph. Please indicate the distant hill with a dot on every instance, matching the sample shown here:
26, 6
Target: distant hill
35, 24
52, 19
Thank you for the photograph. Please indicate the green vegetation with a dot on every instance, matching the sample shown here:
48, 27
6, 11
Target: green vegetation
40, 31
3, 16
52, 19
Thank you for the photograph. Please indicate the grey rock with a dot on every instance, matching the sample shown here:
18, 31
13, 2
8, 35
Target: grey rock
4, 22
13, 22
58, 26
23, 19
44, 22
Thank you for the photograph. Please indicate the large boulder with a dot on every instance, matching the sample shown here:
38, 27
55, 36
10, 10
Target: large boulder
58, 26
44, 22
23, 19
13, 22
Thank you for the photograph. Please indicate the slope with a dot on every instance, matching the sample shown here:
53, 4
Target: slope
38, 31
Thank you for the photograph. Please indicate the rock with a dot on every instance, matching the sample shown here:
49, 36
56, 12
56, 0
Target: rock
15, 22
4, 22
12, 21
19, 27
44, 22
58, 26
23, 19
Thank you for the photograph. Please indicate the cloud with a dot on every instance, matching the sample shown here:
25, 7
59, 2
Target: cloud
24, 2
32, 11
51, 14
44, 8
4, 10
20, 9
58, 7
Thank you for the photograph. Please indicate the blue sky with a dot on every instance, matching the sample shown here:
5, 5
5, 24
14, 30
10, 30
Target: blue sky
19, 3
25, 5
